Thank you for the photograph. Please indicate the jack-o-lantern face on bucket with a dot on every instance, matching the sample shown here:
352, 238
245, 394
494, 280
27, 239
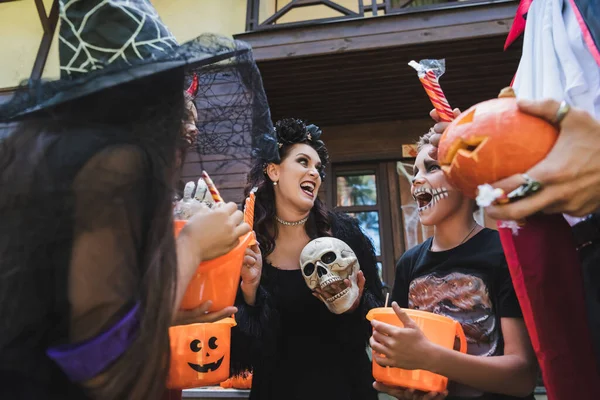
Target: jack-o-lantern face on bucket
491, 141
196, 346
200, 354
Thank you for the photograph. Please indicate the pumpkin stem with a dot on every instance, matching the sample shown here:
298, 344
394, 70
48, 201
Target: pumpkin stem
507, 92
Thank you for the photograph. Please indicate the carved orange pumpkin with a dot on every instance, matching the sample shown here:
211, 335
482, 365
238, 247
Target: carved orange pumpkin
200, 354
491, 141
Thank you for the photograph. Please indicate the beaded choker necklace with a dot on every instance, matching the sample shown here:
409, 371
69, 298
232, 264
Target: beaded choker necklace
295, 223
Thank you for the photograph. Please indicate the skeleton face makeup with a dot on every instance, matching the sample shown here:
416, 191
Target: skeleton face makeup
436, 197
427, 198
325, 263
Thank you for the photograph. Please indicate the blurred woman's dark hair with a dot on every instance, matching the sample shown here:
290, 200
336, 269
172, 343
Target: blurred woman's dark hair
86, 231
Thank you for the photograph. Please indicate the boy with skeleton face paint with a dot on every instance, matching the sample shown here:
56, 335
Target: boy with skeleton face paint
461, 273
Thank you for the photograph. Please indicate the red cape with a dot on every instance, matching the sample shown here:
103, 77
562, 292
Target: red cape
546, 274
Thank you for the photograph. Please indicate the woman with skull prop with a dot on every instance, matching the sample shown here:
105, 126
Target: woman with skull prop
91, 275
303, 342
461, 273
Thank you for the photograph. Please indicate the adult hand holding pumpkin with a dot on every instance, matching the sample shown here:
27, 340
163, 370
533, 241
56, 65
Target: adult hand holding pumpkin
570, 173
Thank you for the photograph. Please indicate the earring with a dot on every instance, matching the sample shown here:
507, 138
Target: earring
275, 183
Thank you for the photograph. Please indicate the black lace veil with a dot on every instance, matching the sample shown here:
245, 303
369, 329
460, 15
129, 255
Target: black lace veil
86, 189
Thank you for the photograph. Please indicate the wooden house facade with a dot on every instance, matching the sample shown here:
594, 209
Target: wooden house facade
343, 65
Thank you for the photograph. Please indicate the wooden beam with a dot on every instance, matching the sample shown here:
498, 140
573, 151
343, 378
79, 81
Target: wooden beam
339, 8
280, 13
454, 21
305, 3
39, 4
49, 24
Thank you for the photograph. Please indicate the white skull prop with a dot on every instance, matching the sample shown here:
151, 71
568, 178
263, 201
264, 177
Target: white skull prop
325, 263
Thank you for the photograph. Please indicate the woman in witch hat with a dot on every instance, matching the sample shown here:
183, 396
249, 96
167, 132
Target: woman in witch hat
90, 273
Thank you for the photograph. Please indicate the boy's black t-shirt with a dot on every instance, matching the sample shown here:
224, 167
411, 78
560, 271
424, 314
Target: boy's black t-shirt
469, 283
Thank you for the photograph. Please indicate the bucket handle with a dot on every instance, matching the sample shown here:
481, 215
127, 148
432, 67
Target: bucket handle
461, 336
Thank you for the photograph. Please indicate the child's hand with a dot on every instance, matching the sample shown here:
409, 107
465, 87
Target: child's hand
200, 314
439, 128
405, 348
215, 231
408, 394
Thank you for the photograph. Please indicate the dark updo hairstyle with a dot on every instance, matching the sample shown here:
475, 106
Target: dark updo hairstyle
274, 148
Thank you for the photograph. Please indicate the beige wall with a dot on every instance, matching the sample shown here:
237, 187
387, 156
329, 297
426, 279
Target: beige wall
21, 31
20, 36
268, 8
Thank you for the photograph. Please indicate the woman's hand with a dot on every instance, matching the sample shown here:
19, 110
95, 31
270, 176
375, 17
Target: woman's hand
405, 348
251, 273
408, 394
570, 173
252, 267
360, 282
200, 314
214, 232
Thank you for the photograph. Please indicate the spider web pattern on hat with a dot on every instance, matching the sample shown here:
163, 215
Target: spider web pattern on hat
84, 50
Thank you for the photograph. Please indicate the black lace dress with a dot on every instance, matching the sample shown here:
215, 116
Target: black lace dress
296, 347
41, 221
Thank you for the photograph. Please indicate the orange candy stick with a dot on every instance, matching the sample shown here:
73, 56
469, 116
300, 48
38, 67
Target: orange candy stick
212, 188
429, 72
249, 211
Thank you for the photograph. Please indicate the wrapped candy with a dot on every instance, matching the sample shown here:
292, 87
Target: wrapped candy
429, 72
188, 205
203, 193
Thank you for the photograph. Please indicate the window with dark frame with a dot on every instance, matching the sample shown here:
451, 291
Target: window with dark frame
361, 192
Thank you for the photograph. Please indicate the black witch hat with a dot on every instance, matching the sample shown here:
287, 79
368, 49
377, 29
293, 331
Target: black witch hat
105, 43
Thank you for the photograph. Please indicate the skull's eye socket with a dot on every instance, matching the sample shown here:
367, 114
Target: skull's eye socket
196, 345
212, 343
328, 257
309, 269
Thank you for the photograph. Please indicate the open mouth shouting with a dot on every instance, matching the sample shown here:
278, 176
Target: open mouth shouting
308, 187
207, 367
427, 197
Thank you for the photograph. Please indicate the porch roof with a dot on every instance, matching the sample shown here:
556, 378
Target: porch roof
355, 71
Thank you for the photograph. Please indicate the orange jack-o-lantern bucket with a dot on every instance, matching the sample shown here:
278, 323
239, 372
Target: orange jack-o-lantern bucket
218, 279
439, 329
200, 354
491, 141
